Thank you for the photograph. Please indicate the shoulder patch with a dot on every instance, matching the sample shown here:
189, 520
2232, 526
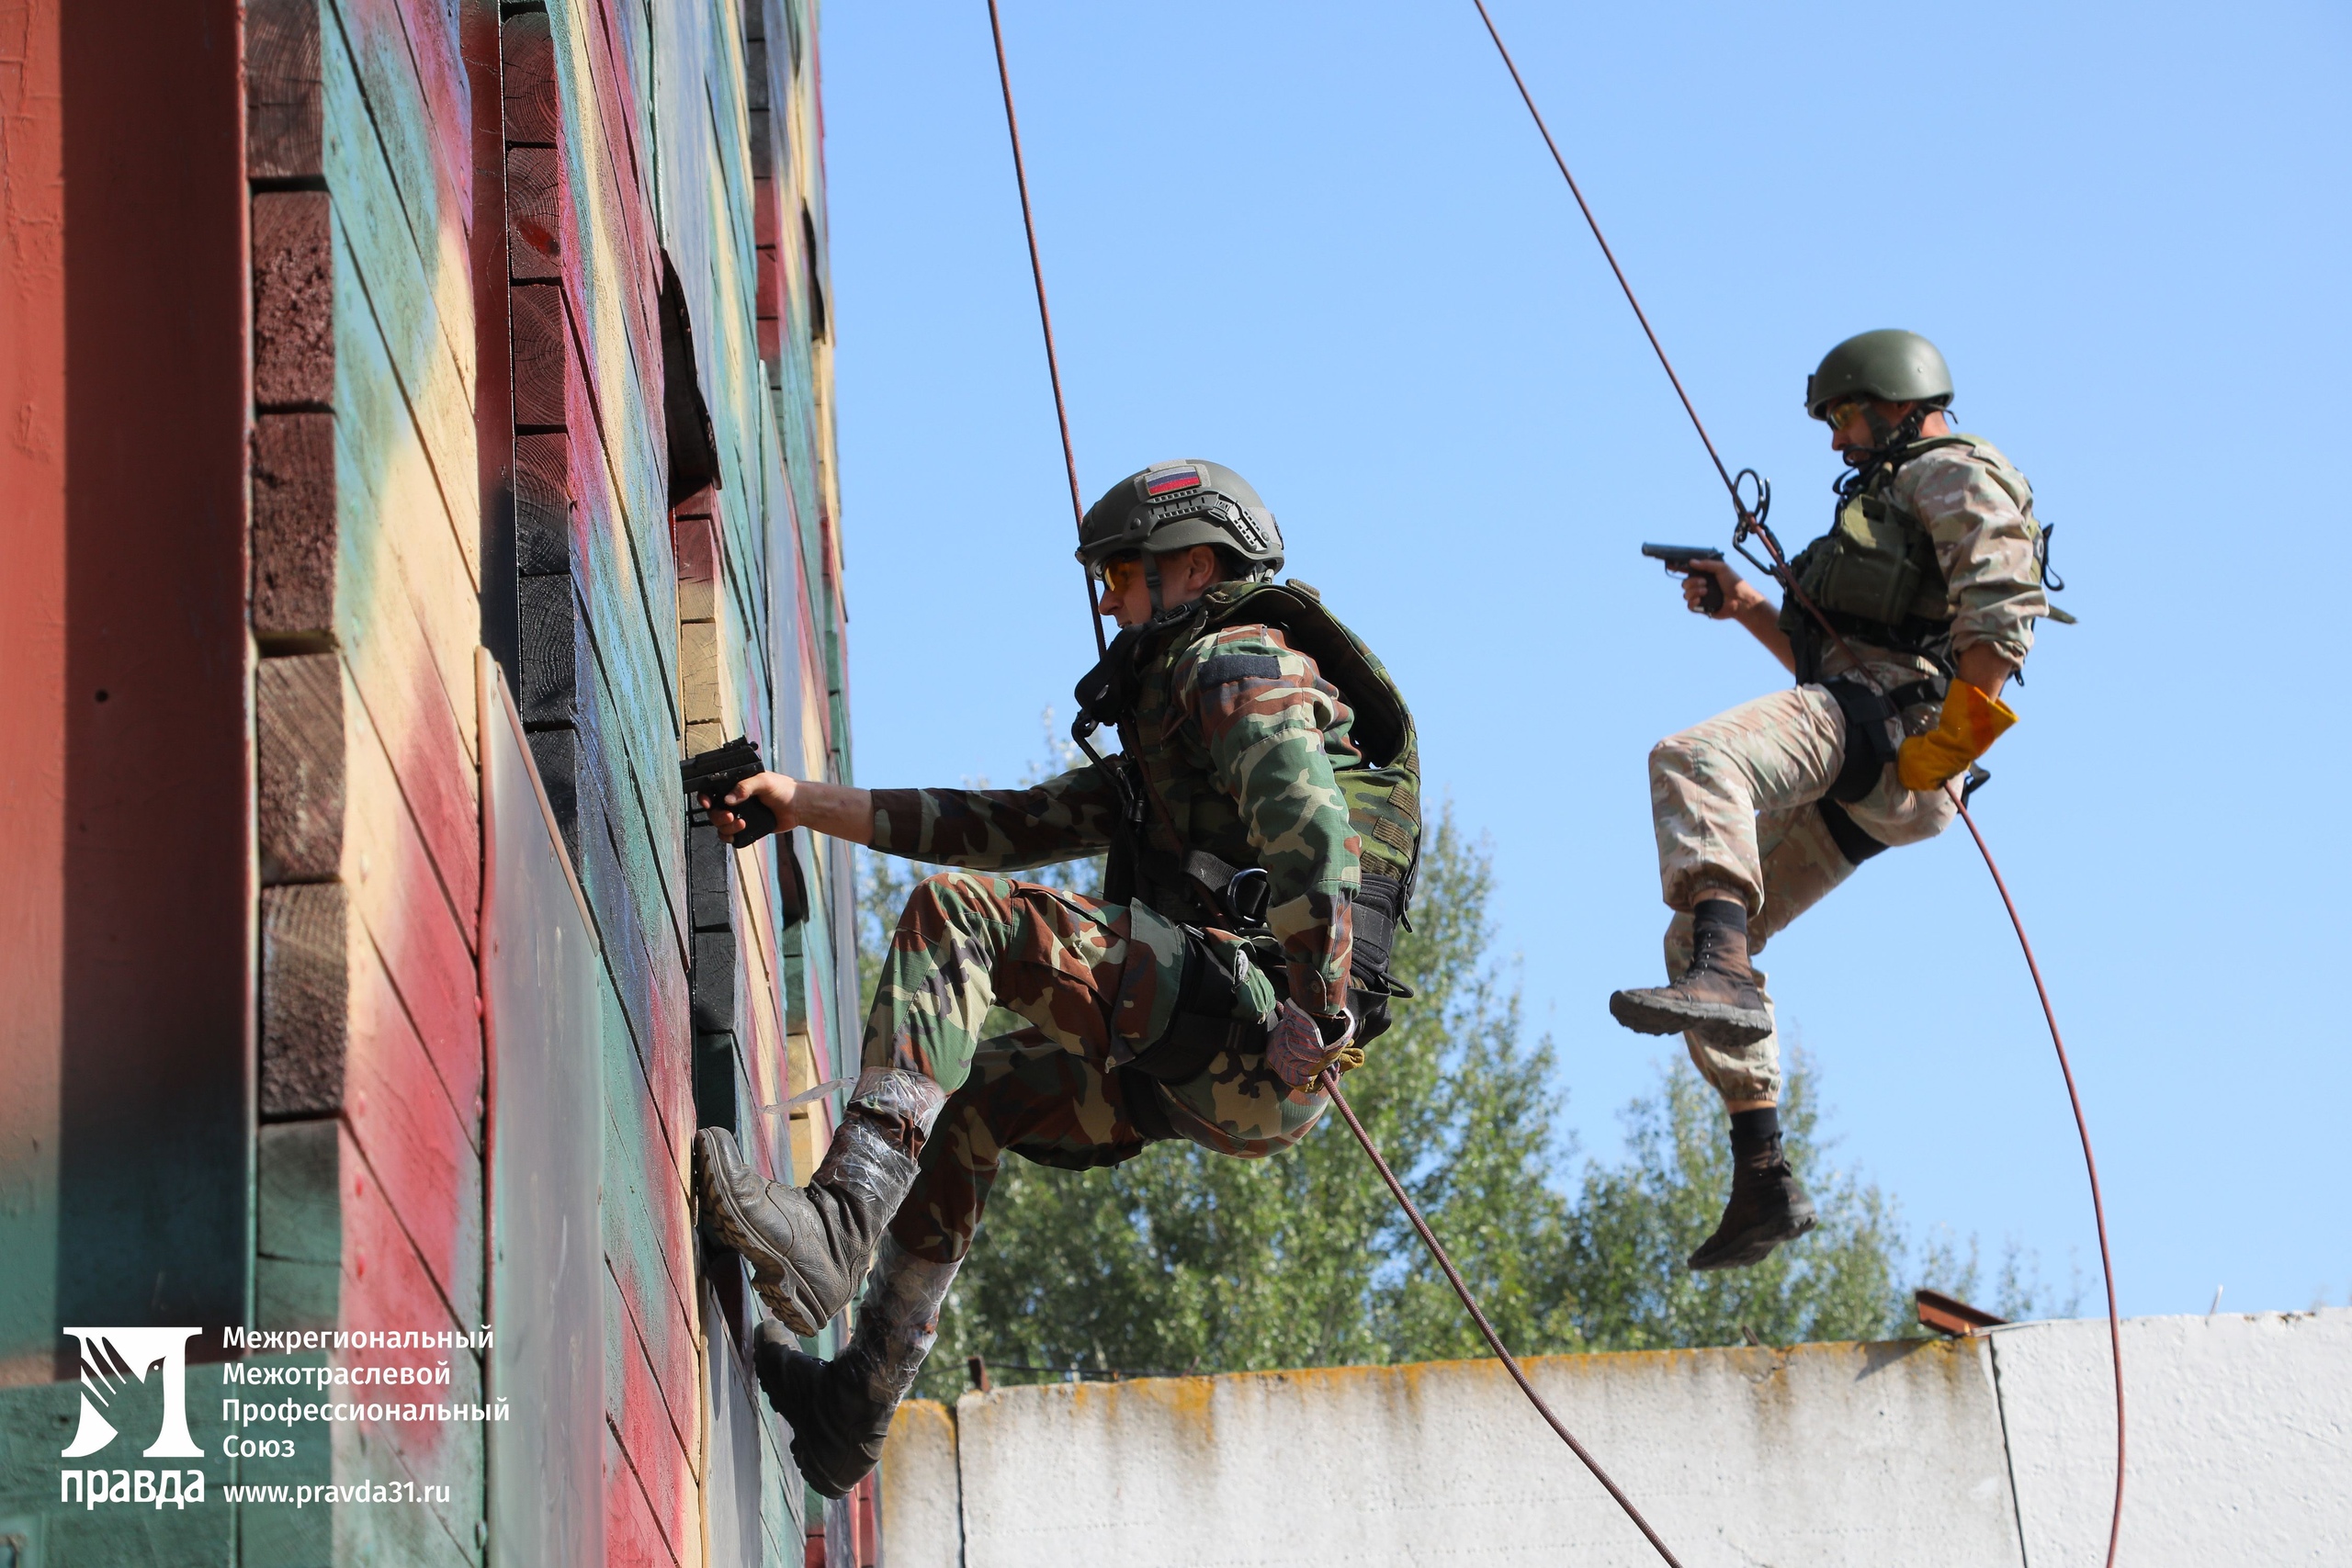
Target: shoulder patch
1223, 668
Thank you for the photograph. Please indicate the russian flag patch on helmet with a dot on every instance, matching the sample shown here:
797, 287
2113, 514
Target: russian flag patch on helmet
1160, 483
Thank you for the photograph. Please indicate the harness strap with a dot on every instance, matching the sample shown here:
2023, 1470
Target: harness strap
1872, 734
1374, 924
1856, 845
1873, 730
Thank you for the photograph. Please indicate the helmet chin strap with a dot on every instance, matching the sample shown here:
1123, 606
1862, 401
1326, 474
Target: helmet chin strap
1151, 579
1888, 442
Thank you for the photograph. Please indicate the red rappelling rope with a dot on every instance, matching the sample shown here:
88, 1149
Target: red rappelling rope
1511, 1362
1044, 313
2090, 1164
1748, 521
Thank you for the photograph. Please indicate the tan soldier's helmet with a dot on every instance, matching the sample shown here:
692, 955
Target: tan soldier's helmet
1892, 365
1169, 506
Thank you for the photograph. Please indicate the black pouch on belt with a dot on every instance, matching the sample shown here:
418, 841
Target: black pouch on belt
1370, 984
1873, 735
1212, 1014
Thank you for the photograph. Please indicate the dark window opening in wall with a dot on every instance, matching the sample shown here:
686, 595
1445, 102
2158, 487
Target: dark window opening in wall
693, 450
816, 282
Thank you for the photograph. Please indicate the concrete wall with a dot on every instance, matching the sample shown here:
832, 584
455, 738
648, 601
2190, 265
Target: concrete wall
2241, 1435
1993, 1451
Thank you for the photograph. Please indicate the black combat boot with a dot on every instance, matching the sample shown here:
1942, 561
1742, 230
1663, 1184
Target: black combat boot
807, 1246
1716, 995
839, 1410
1766, 1207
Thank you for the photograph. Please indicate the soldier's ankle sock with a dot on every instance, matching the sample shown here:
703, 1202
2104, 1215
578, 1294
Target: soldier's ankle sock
1728, 912
1753, 1128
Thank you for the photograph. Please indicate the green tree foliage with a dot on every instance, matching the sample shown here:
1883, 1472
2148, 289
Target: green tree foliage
1182, 1260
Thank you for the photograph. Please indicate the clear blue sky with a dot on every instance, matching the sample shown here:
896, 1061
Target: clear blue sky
1323, 244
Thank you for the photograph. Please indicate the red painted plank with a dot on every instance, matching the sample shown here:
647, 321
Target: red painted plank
401, 904
657, 1415
415, 83
385, 1286
422, 1149
437, 47
632, 1537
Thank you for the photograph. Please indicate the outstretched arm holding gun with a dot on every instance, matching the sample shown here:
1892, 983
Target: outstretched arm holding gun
1712, 588
747, 802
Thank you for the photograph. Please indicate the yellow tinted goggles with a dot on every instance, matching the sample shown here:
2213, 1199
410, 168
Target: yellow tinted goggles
1116, 572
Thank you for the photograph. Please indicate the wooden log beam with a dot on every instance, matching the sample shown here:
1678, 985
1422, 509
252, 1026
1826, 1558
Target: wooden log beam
300, 767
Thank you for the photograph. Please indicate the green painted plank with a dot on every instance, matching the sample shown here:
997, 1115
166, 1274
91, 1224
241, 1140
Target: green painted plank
422, 296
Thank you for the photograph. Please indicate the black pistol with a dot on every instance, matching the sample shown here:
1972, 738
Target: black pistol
713, 774
1677, 557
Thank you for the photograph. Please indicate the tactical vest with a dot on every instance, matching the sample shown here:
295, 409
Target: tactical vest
1874, 575
1185, 838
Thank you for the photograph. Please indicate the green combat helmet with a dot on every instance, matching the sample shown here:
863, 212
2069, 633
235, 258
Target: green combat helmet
1892, 365
1171, 506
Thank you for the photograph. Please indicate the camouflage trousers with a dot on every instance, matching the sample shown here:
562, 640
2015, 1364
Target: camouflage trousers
1095, 983
1735, 804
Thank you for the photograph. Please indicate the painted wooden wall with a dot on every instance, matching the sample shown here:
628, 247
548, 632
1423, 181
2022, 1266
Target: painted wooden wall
535, 357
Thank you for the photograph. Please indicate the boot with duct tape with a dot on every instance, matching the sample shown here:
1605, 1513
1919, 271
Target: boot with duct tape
839, 1410
809, 1246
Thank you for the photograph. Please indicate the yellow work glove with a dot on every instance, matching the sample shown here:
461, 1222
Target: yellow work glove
1970, 723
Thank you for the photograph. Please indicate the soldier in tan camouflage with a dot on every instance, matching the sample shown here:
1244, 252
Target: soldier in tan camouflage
1261, 824
1932, 578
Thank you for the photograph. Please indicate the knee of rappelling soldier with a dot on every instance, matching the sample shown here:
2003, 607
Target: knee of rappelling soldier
1679, 756
937, 896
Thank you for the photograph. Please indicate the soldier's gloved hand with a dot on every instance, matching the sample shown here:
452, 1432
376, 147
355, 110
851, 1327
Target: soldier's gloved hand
1970, 723
1301, 1045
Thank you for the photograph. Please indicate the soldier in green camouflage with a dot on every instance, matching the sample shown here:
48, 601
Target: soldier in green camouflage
1932, 578
1261, 824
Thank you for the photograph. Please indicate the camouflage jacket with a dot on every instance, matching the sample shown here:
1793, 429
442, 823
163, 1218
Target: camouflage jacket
1239, 741
1978, 511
